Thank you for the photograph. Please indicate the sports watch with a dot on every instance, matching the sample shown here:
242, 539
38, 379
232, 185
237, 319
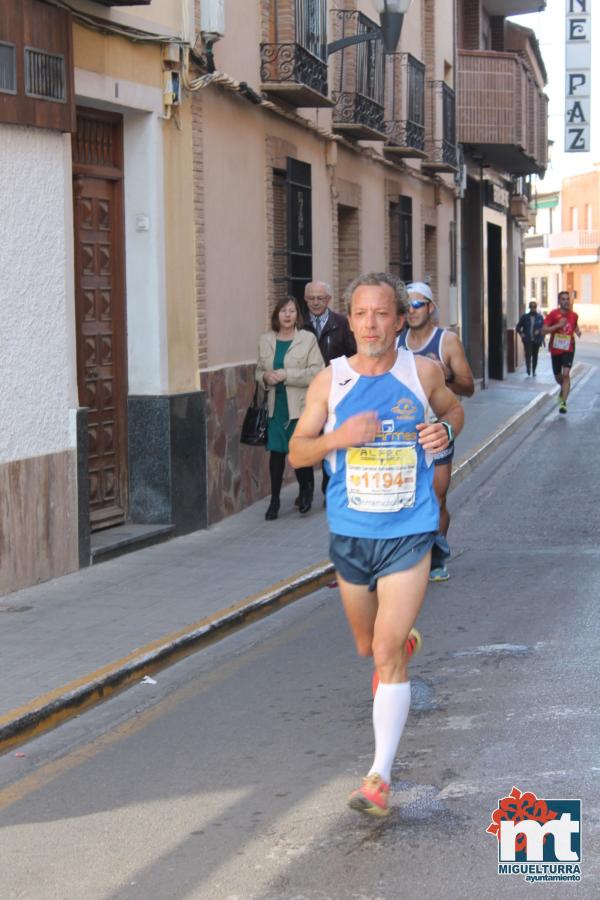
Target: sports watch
449, 431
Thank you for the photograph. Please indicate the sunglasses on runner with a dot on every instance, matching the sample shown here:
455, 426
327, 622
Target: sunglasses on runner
417, 304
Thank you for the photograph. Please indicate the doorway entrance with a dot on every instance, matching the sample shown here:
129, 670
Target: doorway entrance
100, 308
496, 315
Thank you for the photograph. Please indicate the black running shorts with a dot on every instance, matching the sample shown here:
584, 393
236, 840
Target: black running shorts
364, 560
562, 361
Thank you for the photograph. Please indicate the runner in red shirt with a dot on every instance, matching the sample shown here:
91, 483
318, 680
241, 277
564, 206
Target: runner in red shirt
562, 325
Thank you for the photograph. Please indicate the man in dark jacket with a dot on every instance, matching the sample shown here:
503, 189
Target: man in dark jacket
530, 328
330, 328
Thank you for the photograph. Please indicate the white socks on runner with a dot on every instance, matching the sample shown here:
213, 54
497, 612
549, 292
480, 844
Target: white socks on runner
390, 711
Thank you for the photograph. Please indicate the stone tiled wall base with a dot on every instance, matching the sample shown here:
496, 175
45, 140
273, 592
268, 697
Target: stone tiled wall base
237, 474
38, 520
167, 460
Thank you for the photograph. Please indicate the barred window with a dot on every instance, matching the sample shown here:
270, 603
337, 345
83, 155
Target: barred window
8, 69
45, 76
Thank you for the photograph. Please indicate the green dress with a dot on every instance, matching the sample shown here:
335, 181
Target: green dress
280, 428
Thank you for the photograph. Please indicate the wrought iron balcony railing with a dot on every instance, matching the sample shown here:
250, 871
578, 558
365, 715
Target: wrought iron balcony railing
440, 142
358, 80
294, 53
405, 105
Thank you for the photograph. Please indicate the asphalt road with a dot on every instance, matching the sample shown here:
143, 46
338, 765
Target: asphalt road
227, 779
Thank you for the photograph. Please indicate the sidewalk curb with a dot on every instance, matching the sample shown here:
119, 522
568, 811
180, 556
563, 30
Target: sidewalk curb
480, 454
50, 710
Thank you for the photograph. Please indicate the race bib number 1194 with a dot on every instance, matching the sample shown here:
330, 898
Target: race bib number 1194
381, 478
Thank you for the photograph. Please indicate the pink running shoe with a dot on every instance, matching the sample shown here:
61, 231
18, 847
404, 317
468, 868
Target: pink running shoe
372, 797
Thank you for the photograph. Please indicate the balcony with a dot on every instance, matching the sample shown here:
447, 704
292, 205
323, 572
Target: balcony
512, 7
574, 240
502, 112
358, 80
293, 55
440, 124
404, 106
520, 202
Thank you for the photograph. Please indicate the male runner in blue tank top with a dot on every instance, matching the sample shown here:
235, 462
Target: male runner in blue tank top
382, 510
424, 338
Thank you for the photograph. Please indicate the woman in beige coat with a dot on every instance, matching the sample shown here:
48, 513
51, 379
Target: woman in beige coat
288, 360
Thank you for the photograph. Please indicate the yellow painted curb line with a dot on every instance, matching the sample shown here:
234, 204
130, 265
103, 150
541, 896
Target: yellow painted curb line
51, 709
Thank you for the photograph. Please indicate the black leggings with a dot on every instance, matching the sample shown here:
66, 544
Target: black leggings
304, 475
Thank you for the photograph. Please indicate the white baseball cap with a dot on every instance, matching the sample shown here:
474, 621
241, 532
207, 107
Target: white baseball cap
419, 287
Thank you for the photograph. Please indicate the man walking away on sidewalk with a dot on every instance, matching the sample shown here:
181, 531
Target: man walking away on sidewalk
562, 325
331, 330
530, 328
368, 417
424, 338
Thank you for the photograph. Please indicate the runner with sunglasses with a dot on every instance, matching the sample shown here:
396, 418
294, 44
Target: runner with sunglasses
424, 338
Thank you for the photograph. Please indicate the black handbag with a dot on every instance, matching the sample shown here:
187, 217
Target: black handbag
254, 426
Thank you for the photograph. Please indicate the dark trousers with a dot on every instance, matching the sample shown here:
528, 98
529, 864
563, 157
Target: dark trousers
531, 355
324, 481
304, 476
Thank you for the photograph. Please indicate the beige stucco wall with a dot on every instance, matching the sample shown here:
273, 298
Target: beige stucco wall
235, 217
171, 17
180, 257
116, 56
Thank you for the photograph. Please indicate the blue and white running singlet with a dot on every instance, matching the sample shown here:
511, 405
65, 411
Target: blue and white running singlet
383, 489
432, 349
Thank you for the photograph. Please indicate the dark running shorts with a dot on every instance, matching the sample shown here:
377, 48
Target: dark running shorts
562, 361
364, 560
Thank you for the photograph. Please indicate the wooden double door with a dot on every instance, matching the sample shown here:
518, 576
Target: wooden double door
100, 308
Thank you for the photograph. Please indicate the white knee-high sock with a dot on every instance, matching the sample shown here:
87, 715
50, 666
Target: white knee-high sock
390, 711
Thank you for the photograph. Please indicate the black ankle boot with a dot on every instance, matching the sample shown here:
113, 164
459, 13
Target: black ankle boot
305, 500
272, 510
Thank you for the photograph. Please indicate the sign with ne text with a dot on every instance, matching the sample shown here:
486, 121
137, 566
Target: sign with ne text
578, 74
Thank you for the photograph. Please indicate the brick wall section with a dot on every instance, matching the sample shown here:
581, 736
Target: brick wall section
348, 248
430, 254
278, 21
469, 32
428, 33
343, 23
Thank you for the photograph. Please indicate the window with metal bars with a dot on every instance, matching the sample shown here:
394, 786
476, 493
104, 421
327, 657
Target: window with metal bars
8, 68
369, 64
45, 76
292, 230
401, 247
311, 26
416, 91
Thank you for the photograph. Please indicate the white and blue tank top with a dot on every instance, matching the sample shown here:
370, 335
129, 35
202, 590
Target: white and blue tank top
383, 489
432, 349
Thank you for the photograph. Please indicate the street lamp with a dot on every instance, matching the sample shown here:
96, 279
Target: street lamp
391, 16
